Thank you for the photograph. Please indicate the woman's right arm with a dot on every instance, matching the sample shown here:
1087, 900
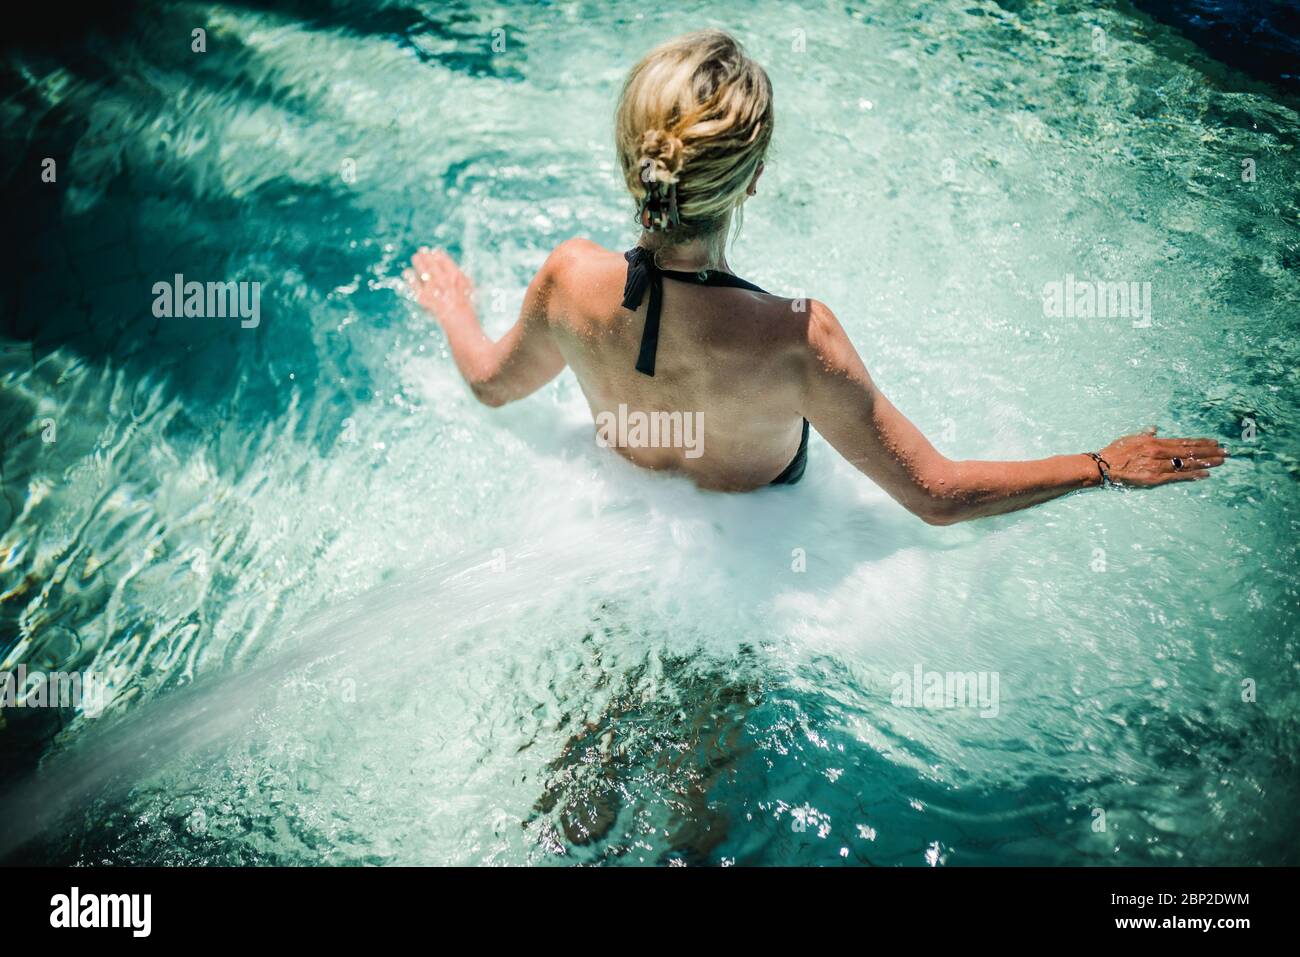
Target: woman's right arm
847, 409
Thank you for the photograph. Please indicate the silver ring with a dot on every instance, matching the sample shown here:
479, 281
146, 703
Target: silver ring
1178, 463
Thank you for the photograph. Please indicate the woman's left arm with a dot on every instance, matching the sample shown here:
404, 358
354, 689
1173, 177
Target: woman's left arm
516, 365
844, 405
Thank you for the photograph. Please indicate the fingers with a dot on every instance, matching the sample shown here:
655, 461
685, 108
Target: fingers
1181, 446
1189, 446
1204, 459
1192, 455
1181, 460
1189, 463
416, 280
422, 267
436, 267
431, 260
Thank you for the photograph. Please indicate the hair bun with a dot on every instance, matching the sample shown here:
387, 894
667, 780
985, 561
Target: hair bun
665, 154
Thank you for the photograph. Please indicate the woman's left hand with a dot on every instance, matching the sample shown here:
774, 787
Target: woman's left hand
439, 284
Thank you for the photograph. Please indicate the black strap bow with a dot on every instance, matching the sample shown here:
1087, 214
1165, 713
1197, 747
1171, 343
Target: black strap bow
642, 273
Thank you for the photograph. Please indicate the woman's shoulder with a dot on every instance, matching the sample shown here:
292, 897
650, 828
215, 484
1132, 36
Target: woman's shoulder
579, 253
580, 267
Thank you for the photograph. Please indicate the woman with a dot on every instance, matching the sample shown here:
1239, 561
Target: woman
667, 328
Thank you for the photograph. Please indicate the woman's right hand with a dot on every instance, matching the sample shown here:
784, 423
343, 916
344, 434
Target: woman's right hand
1142, 460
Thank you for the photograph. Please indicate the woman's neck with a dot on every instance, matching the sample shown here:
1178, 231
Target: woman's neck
702, 253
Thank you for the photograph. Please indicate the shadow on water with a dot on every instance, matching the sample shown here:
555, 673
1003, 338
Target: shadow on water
87, 249
1261, 38
144, 191
124, 213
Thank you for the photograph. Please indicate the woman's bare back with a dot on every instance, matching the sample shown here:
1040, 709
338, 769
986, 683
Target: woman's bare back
726, 357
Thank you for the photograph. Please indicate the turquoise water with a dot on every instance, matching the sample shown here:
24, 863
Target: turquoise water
346, 615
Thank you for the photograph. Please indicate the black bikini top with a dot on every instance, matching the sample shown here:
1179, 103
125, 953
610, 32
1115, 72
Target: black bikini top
643, 274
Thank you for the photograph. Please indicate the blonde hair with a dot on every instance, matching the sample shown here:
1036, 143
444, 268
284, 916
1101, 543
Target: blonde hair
692, 126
